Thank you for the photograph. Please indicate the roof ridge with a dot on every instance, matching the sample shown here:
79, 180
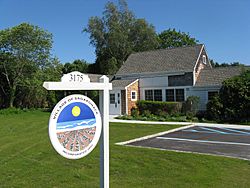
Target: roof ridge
171, 48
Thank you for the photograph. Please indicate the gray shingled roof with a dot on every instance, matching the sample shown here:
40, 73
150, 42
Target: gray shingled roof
164, 60
122, 83
215, 76
96, 77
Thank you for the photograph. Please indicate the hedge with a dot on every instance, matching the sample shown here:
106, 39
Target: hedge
159, 107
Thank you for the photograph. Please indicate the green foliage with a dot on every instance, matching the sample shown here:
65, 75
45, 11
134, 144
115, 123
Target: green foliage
214, 109
163, 107
11, 111
24, 54
76, 65
191, 105
216, 64
147, 116
134, 112
235, 97
116, 35
171, 38
233, 102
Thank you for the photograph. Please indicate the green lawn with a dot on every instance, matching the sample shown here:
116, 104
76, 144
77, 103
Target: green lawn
28, 160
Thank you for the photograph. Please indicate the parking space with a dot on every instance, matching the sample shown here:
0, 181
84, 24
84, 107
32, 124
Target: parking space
225, 141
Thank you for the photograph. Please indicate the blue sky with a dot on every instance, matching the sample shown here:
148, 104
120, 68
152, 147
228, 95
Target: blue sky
222, 25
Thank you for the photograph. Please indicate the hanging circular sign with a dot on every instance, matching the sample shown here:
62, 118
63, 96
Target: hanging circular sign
75, 126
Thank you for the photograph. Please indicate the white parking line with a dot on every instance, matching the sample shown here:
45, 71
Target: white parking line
237, 131
204, 141
154, 135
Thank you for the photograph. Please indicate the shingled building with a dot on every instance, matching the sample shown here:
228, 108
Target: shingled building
167, 75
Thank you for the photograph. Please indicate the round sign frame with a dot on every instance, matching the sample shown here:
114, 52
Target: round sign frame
75, 139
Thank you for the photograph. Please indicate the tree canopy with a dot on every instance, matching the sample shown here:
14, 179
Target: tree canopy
171, 38
117, 34
76, 65
24, 56
216, 64
233, 101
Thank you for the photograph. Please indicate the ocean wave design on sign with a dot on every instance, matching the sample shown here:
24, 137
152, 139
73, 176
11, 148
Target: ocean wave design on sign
75, 125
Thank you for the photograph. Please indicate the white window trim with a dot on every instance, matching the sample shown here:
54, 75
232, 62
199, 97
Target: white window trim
204, 59
135, 99
179, 87
143, 97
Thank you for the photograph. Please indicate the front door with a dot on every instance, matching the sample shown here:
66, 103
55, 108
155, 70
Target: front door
115, 102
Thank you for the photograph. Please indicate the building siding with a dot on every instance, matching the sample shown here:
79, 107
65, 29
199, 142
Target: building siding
202, 93
132, 104
200, 65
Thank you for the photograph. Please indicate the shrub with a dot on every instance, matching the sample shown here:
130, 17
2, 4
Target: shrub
146, 113
233, 102
191, 105
134, 112
201, 115
158, 107
214, 109
10, 111
235, 97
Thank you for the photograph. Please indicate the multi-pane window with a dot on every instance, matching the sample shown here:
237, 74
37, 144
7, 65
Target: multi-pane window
112, 98
158, 95
133, 96
211, 94
149, 95
175, 95
179, 95
169, 94
153, 95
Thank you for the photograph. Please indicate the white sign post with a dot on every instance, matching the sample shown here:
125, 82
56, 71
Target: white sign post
78, 81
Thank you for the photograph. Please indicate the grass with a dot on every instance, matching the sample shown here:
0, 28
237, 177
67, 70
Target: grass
28, 160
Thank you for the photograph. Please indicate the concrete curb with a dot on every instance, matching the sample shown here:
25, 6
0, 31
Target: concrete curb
149, 122
180, 123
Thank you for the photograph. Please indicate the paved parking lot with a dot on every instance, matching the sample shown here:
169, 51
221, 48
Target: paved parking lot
226, 141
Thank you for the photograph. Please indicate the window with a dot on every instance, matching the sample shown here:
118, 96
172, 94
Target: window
133, 96
112, 98
149, 95
179, 95
204, 59
169, 94
158, 95
153, 95
211, 94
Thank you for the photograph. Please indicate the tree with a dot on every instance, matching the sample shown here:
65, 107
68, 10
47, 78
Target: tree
76, 65
233, 102
171, 38
216, 64
24, 49
117, 34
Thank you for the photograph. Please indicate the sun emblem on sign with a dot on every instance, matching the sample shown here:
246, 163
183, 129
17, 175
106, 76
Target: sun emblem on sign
76, 111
